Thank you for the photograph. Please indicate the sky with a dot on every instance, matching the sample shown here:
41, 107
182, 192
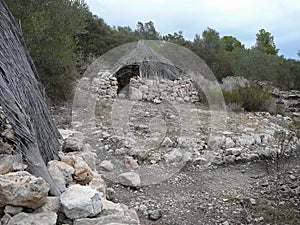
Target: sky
239, 18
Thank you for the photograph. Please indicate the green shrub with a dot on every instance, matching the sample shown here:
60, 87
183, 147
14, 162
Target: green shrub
250, 97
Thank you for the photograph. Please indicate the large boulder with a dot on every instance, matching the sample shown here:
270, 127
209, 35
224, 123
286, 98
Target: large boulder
23, 189
80, 202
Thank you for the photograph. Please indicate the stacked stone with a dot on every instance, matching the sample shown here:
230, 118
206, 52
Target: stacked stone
180, 91
106, 87
86, 199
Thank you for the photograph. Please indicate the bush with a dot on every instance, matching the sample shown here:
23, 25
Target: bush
250, 97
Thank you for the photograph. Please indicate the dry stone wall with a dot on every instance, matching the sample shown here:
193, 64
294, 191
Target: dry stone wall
152, 90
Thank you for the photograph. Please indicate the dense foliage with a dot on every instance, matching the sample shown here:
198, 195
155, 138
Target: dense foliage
60, 34
250, 97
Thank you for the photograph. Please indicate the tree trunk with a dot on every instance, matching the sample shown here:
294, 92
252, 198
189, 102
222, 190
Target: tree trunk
21, 98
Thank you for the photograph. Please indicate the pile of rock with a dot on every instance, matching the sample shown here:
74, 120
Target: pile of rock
248, 136
86, 199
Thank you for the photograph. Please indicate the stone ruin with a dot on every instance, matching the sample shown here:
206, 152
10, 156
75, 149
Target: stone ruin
143, 89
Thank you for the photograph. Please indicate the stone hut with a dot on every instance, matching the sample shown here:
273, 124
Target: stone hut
152, 70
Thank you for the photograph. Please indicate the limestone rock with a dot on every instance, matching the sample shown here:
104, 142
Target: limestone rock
112, 208
89, 158
130, 179
228, 151
157, 101
52, 205
110, 194
245, 140
130, 163
167, 142
45, 218
99, 185
18, 166
236, 151
173, 156
107, 220
83, 173
233, 151
154, 214
72, 144
61, 173
267, 139
115, 214
215, 142
12, 210
130, 213
229, 143
140, 153
80, 201
144, 88
70, 133
135, 94
8, 133
23, 189
6, 162
106, 165
252, 156
229, 159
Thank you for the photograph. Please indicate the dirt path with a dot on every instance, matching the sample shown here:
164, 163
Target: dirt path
234, 194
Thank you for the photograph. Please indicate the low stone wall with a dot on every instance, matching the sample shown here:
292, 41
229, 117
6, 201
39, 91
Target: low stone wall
181, 91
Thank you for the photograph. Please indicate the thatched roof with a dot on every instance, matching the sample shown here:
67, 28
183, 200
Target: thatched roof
151, 64
154, 58
21, 99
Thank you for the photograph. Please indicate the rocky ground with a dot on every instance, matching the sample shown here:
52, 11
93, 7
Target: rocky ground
152, 154
137, 158
231, 194
183, 171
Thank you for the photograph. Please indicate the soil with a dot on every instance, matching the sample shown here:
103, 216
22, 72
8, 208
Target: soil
232, 194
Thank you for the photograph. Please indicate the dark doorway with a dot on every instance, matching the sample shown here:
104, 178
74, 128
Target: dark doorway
124, 75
